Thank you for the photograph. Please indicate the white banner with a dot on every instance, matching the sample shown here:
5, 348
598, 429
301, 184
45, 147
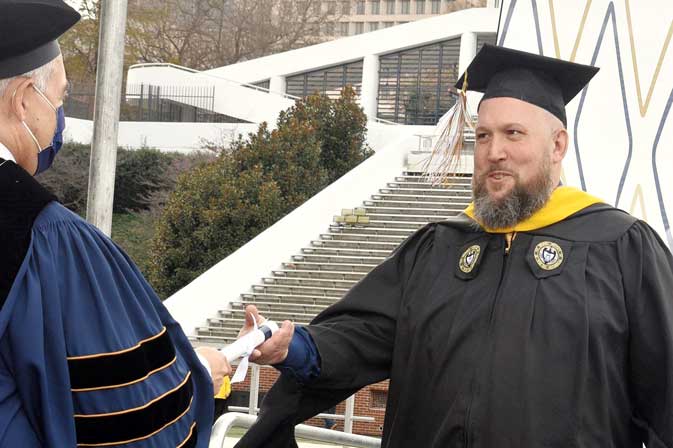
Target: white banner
621, 125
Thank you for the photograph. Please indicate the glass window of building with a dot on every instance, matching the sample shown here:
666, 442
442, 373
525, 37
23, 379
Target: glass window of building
343, 28
359, 27
376, 7
387, 24
420, 6
482, 39
436, 6
373, 26
360, 7
331, 7
263, 84
329, 81
346, 7
405, 7
414, 84
390, 6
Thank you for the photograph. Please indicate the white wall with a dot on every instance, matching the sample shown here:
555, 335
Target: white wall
633, 176
189, 137
179, 137
225, 281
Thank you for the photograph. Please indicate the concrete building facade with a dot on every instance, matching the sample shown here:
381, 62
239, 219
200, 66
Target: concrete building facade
361, 16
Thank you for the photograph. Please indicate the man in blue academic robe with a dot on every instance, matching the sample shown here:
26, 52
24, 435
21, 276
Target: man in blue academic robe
88, 354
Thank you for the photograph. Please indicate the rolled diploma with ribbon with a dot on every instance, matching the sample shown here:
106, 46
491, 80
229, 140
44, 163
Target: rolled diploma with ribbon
247, 343
243, 347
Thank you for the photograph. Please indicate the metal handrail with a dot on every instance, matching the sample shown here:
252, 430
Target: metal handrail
210, 75
163, 64
235, 419
469, 136
355, 418
382, 121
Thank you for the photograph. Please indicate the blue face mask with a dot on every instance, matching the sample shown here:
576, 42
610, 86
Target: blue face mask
46, 156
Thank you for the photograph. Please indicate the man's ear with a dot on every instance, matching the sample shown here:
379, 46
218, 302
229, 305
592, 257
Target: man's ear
560, 145
18, 100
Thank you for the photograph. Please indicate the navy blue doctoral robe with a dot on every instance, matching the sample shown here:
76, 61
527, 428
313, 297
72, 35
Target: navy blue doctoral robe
88, 354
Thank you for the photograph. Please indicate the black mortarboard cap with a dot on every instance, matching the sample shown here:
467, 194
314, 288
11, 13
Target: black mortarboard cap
28, 33
546, 82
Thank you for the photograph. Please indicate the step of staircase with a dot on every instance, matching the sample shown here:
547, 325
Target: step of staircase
398, 222
425, 191
340, 259
329, 267
299, 290
374, 238
421, 219
454, 199
355, 243
459, 188
412, 206
263, 307
307, 281
288, 298
335, 251
374, 230
277, 316
419, 211
318, 275
462, 181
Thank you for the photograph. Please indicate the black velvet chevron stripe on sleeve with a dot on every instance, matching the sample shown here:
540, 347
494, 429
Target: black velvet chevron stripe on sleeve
136, 424
109, 370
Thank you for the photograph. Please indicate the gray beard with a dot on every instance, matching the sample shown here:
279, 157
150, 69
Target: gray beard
518, 206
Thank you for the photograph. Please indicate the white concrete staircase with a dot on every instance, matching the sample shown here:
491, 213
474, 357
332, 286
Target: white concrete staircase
332, 263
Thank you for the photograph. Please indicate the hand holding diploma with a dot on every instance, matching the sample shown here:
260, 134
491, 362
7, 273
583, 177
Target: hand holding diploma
217, 365
273, 350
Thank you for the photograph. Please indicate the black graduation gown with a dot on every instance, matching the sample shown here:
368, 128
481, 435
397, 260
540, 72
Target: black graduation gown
509, 354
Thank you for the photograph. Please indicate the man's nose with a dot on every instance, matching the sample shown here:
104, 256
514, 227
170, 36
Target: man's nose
497, 150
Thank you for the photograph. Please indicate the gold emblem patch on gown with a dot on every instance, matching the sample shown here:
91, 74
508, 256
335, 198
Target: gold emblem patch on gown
469, 258
548, 255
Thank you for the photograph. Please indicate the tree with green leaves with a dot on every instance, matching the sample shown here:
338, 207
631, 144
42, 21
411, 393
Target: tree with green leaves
217, 208
341, 127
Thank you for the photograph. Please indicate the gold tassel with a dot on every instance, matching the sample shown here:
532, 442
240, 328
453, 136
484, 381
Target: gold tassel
447, 151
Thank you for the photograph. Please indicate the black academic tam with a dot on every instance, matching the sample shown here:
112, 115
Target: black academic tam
565, 342
28, 33
546, 82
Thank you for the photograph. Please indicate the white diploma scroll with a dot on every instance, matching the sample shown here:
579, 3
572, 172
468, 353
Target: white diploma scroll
244, 346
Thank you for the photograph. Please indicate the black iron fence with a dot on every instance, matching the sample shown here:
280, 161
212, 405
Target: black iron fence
145, 102
80, 101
